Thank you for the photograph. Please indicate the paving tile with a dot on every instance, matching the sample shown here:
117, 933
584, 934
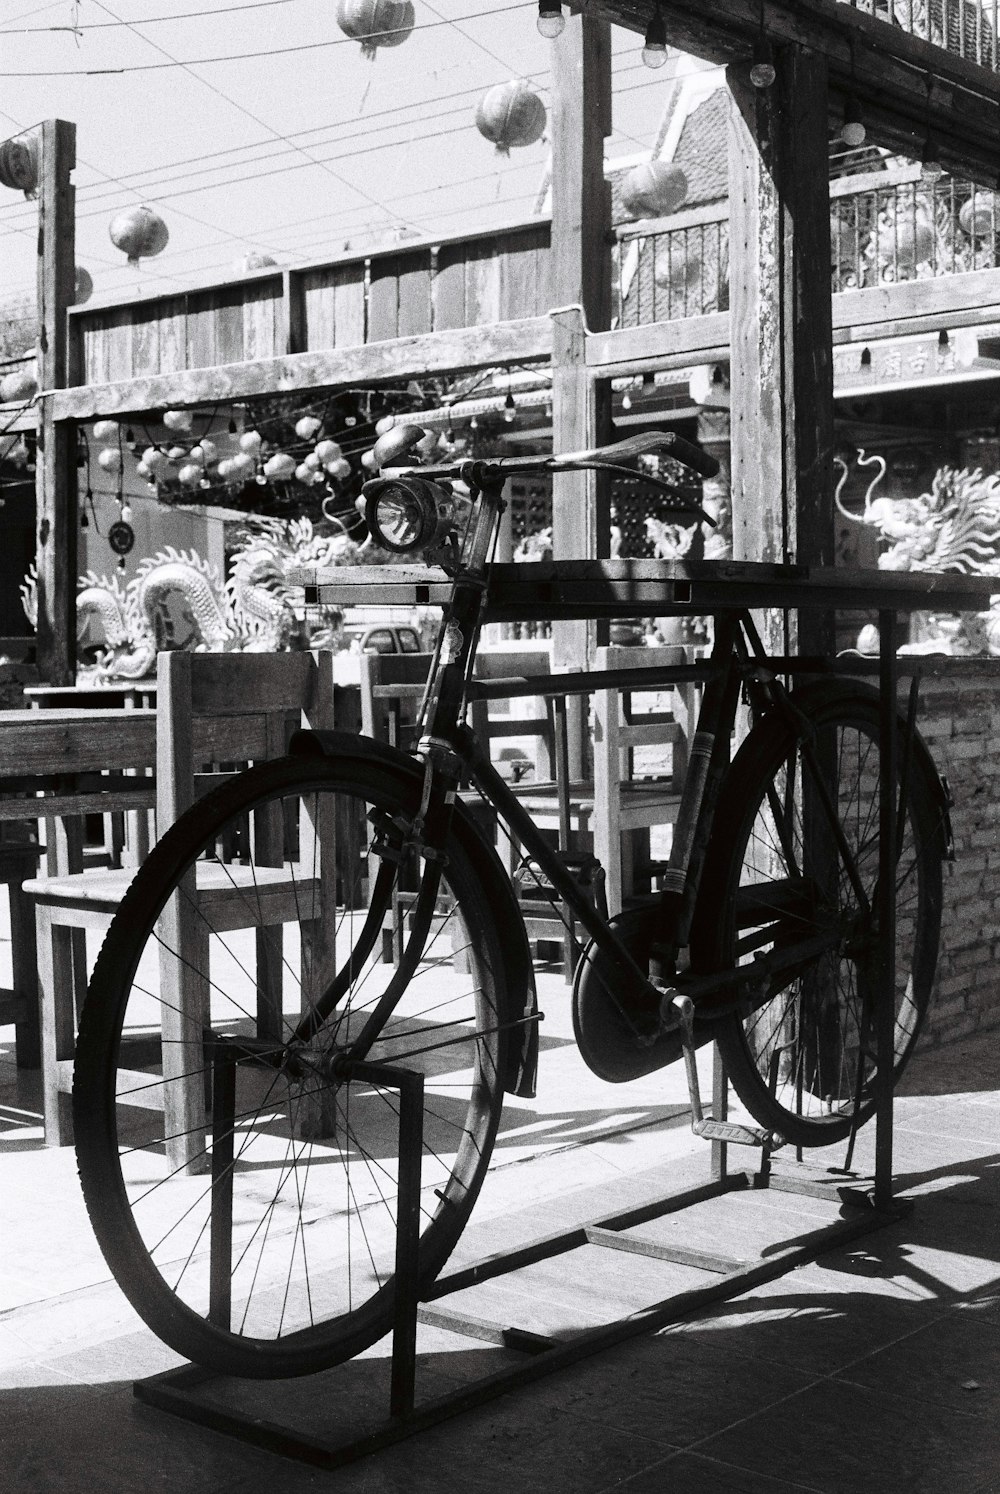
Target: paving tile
689, 1473
853, 1439
953, 1362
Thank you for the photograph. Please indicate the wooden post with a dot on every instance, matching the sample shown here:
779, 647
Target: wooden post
55, 472
781, 319
581, 215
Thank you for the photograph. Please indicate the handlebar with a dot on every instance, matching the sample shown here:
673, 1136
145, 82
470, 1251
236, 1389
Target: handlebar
401, 440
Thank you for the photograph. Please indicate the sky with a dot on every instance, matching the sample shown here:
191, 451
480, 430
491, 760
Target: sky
256, 126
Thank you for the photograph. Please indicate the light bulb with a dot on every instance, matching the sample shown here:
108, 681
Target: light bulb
551, 21
930, 167
762, 72
654, 50
853, 131
626, 401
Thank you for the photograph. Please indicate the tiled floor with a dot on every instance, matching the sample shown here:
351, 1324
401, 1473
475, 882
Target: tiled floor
875, 1368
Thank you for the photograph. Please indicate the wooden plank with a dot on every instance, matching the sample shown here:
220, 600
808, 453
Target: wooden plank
448, 288
318, 311
67, 741
116, 345
260, 303
172, 335
349, 313
293, 338
230, 346
520, 256
200, 331
383, 300
414, 295
527, 340
698, 339
146, 323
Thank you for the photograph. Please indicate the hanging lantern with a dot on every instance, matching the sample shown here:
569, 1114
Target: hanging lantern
304, 473
242, 464
19, 164
225, 468
110, 459
339, 469
105, 430
250, 441
190, 474
511, 115
915, 241
978, 216
280, 465
177, 420
209, 450
306, 427
312, 461
375, 23
15, 387
138, 232
329, 451
152, 458
83, 285
177, 454
654, 190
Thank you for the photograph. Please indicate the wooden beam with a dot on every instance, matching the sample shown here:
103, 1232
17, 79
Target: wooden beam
906, 86
581, 294
658, 345
55, 471
523, 341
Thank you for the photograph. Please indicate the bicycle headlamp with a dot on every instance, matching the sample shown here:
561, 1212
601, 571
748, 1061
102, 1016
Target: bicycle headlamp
408, 513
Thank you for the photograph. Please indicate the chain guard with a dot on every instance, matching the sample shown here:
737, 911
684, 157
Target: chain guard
609, 1048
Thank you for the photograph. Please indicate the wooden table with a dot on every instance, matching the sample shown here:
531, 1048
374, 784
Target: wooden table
116, 695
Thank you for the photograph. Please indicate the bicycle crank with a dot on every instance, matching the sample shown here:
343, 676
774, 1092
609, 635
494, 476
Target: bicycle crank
706, 1126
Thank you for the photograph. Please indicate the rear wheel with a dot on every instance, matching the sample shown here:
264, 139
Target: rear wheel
255, 1230
776, 888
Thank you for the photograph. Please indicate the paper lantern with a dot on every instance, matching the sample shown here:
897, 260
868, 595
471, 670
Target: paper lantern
177, 454
138, 232
105, 430
110, 459
306, 427
654, 190
280, 465
329, 451
177, 420
83, 285
251, 441
242, 463
190, 474
511, 115
978, 216
375, 23
19, 164
15, 387
340, 468
209, 450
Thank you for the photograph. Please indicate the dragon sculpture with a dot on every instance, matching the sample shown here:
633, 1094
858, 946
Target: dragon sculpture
178, 600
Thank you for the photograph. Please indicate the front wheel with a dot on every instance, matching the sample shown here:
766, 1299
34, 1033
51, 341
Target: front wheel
240, 1176
784, 895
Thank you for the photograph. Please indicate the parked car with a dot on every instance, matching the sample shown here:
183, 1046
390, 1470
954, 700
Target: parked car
383, 638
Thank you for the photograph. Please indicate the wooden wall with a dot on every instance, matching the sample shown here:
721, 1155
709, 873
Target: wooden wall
354, 301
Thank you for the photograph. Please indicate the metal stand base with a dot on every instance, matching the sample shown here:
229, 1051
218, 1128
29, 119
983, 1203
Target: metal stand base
187, 1391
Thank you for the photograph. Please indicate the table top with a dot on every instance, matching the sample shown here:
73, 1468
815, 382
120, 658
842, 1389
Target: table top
67, 740
89, 693
567, 589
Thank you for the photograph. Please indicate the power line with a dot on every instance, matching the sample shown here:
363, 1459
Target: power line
152, 67
186, 15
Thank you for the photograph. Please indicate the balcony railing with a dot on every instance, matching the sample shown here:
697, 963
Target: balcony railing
965, 27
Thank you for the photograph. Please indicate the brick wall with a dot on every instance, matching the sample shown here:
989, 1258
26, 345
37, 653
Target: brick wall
960, 720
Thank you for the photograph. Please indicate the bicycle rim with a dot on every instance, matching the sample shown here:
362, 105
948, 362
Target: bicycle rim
293, 1271
802, 1053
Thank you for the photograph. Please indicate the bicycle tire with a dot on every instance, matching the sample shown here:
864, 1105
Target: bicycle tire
802, 1057
313, 1171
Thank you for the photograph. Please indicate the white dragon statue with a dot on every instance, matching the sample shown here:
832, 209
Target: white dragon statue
178, 600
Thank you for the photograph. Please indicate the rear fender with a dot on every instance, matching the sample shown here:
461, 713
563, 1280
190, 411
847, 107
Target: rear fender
521, 1009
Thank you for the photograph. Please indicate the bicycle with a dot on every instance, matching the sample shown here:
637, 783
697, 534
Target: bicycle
262, 1241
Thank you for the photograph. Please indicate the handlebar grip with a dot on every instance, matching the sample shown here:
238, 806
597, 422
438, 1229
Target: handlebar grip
686, 452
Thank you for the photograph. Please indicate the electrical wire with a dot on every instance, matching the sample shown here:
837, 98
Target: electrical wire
186, 15
187, 65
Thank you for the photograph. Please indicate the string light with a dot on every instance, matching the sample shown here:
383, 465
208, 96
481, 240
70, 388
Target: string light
853, 130
551, 21
654, 50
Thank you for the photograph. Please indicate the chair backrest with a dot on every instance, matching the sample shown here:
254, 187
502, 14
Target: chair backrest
518, 719
392, 687
655, 716
218, 711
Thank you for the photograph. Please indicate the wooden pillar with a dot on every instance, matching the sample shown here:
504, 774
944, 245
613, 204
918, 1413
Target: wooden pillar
55, 471
581, 284
781, 318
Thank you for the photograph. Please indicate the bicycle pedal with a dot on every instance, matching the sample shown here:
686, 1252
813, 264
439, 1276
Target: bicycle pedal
739, 1135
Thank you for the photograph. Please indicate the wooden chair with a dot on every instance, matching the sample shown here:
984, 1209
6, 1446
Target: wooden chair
212, 709
392, 687
630, 797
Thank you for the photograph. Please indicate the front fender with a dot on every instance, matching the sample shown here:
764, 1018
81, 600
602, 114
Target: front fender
521, 1009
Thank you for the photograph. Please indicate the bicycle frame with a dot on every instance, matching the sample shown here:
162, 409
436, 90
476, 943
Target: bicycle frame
453, 756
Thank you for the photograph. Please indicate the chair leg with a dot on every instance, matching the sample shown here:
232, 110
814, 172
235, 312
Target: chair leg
57, 1016
185, 988
27, 1032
